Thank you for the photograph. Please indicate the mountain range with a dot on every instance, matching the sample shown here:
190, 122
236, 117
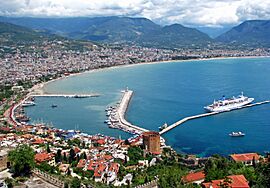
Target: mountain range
144, 32
10, 33
117, 30
252, 33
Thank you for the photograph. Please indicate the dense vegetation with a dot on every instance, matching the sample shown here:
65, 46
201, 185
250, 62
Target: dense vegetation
22, 160
219, 167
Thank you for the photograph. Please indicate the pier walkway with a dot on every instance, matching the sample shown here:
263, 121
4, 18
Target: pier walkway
122, 111
204, 115
66, 95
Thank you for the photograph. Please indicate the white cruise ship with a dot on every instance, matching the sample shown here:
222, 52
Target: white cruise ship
229, 104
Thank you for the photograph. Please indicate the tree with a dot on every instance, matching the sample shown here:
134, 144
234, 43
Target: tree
83, 144
58, 157
9, 181
22, 160
75, 183
83, 156
68, 171
135, 153
66, 185
263, 171
48, 148
71, 155
65, 157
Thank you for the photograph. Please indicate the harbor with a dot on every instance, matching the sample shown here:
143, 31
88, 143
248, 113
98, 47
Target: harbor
17, 114
67, 95
116, 115
170, 127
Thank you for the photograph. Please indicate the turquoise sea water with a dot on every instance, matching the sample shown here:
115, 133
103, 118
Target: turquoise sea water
167, 92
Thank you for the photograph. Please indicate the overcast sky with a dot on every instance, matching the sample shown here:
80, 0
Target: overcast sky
213, 13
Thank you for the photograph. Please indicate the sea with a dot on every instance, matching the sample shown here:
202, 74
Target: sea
166, 93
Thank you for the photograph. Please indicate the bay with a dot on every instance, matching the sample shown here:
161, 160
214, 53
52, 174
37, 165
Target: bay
167, 92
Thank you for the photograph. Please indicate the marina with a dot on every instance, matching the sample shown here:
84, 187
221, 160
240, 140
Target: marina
116, 115
67, 95
17, 115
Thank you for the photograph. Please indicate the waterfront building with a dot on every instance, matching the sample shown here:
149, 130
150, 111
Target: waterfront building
246, 158
151, 142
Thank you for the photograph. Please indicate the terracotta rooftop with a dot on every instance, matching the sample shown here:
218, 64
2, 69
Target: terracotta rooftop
81, 163
42, 157
114, 167
245, 157
195, 176
237, 181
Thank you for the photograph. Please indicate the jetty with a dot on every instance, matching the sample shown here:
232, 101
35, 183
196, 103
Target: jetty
116, 115
205, 115
122, 111
66, 95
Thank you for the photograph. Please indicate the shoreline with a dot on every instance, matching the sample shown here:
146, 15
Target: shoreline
39, 88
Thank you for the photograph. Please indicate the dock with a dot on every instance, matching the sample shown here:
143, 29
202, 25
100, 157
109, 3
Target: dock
122, 111
66, 95
205, 115
116, 115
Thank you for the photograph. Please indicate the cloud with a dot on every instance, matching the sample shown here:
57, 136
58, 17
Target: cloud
214, 13
251, 10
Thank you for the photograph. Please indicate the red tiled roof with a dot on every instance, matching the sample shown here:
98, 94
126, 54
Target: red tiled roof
81, 163
237, 181
42, 157
77, 150
114, 167
92, 165
101, 141
38, 141
108, 157
99, 170
191, 177
7, 129
245, 157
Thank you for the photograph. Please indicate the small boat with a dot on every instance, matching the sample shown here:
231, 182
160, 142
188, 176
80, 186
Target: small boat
164, 126
54, 106
237, 134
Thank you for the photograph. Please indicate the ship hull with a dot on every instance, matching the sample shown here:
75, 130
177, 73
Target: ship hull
229, 107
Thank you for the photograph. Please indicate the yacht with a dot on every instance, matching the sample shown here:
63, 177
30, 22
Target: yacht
224, 104
28, 103
237, 134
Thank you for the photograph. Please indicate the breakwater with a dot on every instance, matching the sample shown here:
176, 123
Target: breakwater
116, 115
170, 127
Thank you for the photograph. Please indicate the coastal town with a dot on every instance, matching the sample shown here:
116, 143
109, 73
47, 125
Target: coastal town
41, 155
70, 158
52, 59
